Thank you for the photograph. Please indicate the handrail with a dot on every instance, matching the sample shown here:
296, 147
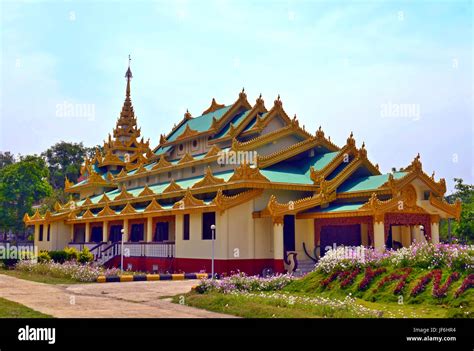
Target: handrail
315, 260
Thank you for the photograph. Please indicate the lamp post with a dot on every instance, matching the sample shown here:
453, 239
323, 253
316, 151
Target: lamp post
213, 230
422, 233
122, 231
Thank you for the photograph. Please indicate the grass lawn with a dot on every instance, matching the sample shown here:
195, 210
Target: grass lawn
264, 307
40, 278
10, 309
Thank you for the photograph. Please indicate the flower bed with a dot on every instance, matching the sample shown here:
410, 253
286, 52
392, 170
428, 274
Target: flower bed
69, 269
423, 255
242, 282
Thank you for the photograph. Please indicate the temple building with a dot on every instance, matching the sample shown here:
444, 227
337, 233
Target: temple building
278, 195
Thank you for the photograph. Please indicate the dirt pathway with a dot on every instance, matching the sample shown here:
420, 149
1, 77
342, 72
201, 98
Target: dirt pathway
114, 300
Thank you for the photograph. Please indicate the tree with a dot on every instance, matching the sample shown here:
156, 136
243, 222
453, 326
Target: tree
21, 185
464, 229
6, 158
64, 160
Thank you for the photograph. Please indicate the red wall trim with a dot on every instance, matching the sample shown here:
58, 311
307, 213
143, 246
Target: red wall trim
196, 265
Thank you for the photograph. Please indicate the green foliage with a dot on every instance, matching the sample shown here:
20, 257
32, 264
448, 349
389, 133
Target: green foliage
72, 253
6, 158
43, 256
64, 160
59, 256
21, 185
85, 256
462, 231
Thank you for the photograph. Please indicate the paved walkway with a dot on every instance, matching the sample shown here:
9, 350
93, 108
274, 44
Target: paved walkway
114, 300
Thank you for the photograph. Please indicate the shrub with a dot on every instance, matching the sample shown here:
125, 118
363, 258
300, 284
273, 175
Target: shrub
58, 256
72, 253
43, 256
85, 256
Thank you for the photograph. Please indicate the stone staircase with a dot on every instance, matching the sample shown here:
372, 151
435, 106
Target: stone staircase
304, 267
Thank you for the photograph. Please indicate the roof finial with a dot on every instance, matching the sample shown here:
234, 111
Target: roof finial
128, 75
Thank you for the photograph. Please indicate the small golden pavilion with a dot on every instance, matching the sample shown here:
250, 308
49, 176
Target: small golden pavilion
277, 194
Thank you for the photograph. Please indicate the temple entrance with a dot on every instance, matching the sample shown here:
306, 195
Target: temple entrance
339, 235
96, 234
137, 232
115, 233
289, 233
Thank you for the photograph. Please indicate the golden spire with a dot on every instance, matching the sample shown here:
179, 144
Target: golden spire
129, 76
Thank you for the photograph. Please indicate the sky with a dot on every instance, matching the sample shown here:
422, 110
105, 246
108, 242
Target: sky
399, 74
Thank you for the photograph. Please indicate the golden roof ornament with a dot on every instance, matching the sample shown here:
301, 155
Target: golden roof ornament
278, 102
187, 115
242, 94
319, 133
214, 107
351, 140
259, 100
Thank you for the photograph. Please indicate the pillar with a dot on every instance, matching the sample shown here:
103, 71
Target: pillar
125, 229
434, 229
88, 232
71, 233
379, 236
149, 229
36, 235
418, 234
105, 231
405, 235
364, 234
278, 265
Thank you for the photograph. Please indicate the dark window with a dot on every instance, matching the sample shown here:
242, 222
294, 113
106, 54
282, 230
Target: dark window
115, 233
289, 233
186, 227
181, 147
137, 232
161, 231
426, 195
147, 179
48, 236
195, 143
193, 169
40, 236
208, 219
169, 174
96, 235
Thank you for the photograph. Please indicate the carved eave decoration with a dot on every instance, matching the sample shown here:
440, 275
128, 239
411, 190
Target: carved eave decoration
36, 216
453, 210
214, 107
186, 158
208, 180
187, 133
213, 151
104, 199
26, 218
415, 171
173, 186
122, 173
128, 209
223, 202
106, 211
153, 206
162, 163
88, 214
146, 191
141, 169
67, 183
124, 194
344, 154
188, 201
246, 173
57, 206
405, 202
87, 202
